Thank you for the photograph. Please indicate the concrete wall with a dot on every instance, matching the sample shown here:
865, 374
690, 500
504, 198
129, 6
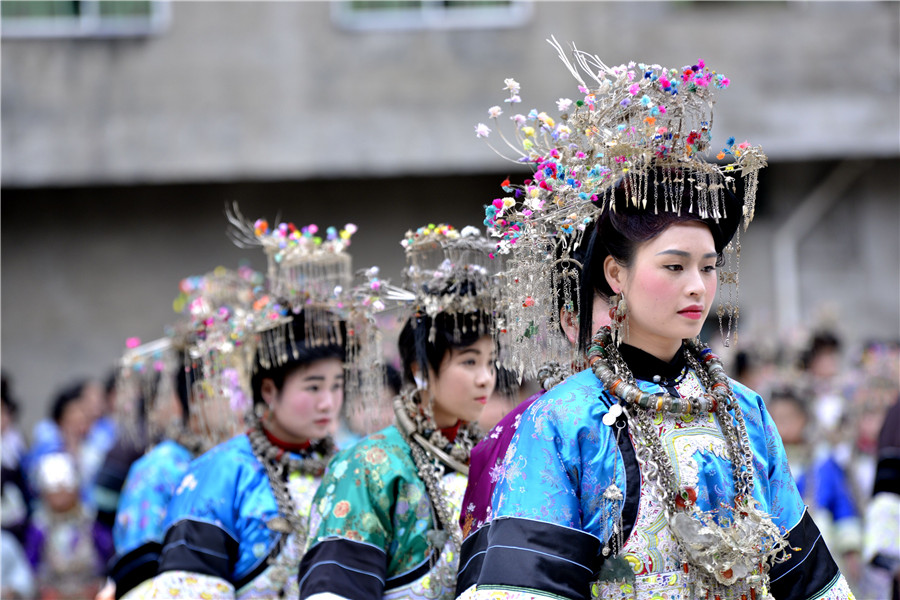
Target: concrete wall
237, 90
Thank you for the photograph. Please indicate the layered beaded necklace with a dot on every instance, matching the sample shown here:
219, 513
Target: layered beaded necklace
279, 465
717, 553
434, 454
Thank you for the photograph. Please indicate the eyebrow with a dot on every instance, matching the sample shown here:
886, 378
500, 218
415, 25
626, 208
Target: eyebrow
686, 254
319, 377
468, 350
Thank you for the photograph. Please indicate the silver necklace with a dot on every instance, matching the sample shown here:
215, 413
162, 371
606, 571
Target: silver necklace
717, 555
279, 465
433, 454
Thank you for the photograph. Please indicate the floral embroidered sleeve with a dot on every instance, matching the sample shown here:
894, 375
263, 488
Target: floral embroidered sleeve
539, 545
368, 521
810, 572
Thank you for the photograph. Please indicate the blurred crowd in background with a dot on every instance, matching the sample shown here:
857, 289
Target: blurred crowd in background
837, 412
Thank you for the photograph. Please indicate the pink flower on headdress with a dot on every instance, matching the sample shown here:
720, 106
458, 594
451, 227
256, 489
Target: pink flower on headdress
494, 112
519, 119
482, 130
563, 104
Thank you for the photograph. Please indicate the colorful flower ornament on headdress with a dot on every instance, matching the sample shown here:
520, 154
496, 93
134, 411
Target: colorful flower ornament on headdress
307, 273
311, 273
633, 121
643, 128
221, 346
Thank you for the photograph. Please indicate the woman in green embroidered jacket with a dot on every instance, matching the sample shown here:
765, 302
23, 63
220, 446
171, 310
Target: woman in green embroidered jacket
384, 523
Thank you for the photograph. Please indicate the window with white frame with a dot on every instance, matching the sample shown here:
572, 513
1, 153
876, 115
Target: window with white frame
83, 18
368, 15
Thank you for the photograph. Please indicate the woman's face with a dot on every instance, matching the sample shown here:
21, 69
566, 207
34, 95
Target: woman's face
309, 402
463, 383
668, 289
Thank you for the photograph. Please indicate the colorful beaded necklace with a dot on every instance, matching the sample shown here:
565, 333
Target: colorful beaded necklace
717, 555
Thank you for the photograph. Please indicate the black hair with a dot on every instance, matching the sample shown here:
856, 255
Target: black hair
304, 352
64, 398
424, 340
393, 379
623, 227
6, 398
507, 383
184, 382
110, 384
788, 395
823, 341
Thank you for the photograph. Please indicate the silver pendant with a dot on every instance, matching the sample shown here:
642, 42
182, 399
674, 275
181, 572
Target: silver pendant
279, 524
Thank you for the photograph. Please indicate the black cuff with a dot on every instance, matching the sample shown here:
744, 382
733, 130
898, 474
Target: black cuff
809, 570
339, 566
539, 556
471, 559
199, 548
131, 569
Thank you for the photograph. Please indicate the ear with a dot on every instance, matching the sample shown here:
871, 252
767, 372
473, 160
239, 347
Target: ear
568, 321
268, 391
615, 274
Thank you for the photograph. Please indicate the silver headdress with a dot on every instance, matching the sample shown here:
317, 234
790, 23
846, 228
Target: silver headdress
145, 381
643, 129
220, 348
310, 277
450, 272
307, 274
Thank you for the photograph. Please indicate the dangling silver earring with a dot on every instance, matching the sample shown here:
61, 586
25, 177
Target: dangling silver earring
260, 410
421, 382
618, 314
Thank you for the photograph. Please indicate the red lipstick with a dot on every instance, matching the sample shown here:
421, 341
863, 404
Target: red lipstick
694, 311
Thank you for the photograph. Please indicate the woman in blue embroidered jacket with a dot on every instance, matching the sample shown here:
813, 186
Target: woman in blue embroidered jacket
234, 527
650, 474
152, 479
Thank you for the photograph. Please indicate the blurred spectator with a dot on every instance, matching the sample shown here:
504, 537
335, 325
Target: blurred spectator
755, 370
101, 435
14, 497
881, 551
67, 431
13, 443
64, 431
16, 578
820, 480
64, 546
822, 365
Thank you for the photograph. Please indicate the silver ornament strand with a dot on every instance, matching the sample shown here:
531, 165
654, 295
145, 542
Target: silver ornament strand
715, 556
279, 465
433, 454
